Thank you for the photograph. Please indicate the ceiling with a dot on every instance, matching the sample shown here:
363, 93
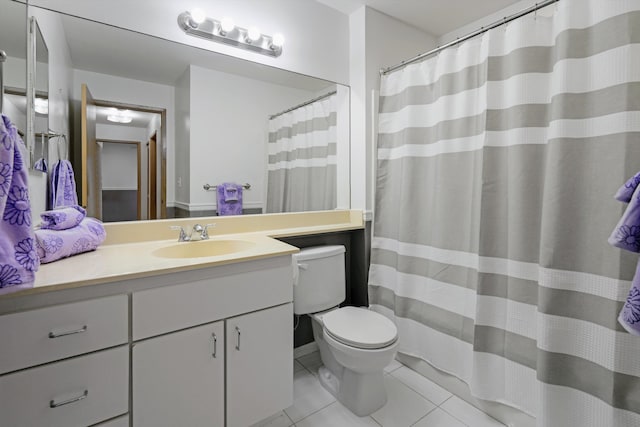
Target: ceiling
436, 17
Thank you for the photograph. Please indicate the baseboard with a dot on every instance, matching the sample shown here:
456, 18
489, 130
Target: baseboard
305, 349
505, 414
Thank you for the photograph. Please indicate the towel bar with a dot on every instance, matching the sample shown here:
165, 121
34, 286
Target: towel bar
208, 187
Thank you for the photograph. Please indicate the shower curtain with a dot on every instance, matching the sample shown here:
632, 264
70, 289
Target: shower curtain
302, 158
498, 160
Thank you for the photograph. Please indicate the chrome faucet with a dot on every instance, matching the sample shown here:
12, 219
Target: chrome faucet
201, 233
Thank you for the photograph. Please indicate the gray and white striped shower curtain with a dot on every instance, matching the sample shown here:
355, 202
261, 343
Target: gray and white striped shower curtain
498, 160
302, 158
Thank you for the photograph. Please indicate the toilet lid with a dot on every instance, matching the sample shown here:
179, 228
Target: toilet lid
359, 327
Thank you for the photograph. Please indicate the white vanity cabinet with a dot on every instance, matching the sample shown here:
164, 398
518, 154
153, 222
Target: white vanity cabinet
259, 368
178, 378
192, 339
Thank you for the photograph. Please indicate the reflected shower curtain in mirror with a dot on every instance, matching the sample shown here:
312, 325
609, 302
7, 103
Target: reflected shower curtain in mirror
302, 158
498, 161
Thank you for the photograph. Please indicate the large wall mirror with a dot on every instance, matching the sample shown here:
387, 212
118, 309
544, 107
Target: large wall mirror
151, 122
13, 41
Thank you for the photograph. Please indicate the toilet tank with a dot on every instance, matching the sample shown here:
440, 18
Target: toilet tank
319, 279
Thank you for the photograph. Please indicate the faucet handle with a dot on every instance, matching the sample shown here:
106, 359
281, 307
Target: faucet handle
183, 236
205, 233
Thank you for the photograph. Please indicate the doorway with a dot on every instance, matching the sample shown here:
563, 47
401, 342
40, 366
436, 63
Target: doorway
122, 193
141, 123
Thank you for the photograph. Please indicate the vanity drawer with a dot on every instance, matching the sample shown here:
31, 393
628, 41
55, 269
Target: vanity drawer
171, 308
77, 392
39, 336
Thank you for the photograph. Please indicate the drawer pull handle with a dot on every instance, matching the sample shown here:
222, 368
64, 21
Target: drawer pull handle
215, 344
54, 404
62, 334
238, 341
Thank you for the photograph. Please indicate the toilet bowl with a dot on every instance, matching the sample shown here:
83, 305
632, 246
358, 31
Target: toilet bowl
355, 343
354, 361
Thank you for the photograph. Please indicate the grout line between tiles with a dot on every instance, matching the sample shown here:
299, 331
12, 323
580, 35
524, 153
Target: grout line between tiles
453, 415
316, 411
426, 415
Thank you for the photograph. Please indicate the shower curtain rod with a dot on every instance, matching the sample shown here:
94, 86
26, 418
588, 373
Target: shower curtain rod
311, 101
497, 23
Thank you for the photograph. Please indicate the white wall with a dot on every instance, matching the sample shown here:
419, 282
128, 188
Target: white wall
119, 166
315, 34
376, 41
229, 130
128, 91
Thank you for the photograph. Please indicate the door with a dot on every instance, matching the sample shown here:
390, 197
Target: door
91, 175
152, 197
178, 379
259, 368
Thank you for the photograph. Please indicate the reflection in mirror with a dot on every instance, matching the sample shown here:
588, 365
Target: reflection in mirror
38, 143
154, 121
13, 41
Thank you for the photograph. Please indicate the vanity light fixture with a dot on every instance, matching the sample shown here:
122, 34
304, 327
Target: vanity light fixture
120, 116
197, 24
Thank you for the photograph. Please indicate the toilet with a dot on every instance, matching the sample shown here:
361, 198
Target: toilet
355, 343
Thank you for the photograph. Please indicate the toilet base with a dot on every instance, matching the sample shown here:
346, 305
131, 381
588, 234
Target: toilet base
362, 394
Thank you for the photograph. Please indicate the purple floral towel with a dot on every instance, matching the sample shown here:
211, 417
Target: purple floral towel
626, 235
629, 317
625, 192
62, 218
18, 258
229, 202
53, 245
63, 185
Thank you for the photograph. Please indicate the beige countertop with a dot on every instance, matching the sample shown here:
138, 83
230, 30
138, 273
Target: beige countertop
128, 252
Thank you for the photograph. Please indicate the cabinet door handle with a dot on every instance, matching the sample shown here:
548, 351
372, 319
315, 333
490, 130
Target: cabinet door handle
54, 404
238, 341
62, 334
215, 344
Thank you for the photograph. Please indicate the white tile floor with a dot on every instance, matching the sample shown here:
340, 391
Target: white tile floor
413, 400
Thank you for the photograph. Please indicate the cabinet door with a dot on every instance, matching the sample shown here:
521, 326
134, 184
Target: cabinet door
259, 364
178, 379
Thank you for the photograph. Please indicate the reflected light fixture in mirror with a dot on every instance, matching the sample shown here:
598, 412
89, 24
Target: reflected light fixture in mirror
41, 106
196, 23
120, 116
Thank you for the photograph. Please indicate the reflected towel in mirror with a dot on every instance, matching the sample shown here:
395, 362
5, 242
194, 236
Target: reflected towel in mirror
229, 199
63, 185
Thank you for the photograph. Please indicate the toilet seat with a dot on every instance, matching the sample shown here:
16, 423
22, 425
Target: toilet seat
360, 328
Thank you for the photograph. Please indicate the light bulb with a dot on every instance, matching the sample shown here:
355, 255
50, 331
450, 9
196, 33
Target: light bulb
227, 25
41, 106
277, 40
198, 16
253, 34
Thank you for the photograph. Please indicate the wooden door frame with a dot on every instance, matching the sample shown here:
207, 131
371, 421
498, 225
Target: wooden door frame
162, 151
152, 177
139, 163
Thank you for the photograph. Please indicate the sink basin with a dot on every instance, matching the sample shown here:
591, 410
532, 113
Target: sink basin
203, 248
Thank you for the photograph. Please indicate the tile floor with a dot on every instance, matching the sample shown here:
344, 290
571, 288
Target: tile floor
413, 400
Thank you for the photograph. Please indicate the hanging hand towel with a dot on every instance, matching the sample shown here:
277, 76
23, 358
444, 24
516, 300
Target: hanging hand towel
629, 317
625, 192
18, 257
63, 185
40, 165
62, 218
626, 235
229, 199
53, 245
